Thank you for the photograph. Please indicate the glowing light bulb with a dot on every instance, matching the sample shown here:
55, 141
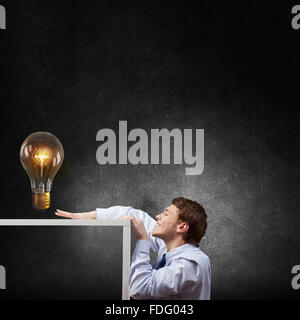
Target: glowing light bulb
41, 156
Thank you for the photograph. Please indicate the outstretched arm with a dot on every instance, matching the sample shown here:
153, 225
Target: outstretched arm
116, 212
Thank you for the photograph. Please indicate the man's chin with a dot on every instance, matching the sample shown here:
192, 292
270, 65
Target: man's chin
155, 234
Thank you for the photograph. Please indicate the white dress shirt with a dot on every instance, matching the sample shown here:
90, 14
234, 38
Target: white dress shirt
186, 274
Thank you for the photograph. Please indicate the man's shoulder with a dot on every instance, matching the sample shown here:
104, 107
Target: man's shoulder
192, 253
194, 261
197, 255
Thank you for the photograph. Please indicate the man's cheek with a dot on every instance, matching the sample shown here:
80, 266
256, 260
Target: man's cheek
156, 229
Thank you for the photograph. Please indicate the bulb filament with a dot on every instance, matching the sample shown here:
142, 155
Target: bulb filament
41, 158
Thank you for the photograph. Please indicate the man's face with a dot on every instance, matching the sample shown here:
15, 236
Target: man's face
167, 223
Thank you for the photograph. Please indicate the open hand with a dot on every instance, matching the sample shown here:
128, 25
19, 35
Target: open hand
81, 215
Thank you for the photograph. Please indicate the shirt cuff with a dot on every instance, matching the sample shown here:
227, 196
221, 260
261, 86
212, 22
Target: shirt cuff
142, 246
102, 213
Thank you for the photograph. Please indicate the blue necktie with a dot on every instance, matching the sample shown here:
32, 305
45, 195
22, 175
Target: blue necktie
162, 262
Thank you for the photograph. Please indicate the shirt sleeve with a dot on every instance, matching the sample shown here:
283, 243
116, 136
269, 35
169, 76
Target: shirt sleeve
148, 283
119, 211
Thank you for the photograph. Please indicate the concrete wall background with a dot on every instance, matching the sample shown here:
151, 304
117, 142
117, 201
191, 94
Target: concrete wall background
72, 68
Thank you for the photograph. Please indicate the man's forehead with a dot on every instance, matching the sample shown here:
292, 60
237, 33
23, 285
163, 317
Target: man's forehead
172, 208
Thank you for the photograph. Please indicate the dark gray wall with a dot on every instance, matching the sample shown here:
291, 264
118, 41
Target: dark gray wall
64, 262
74, 67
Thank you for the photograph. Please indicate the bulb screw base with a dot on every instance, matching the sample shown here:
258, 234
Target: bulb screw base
41, 200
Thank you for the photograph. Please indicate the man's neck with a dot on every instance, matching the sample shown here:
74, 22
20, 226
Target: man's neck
175, 243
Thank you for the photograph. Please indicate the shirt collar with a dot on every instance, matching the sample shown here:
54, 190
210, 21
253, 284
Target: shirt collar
178, 250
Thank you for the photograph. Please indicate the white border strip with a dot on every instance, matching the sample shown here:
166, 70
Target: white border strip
63, 222
126, 224
126, 262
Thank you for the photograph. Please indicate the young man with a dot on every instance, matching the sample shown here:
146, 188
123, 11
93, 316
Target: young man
182, 270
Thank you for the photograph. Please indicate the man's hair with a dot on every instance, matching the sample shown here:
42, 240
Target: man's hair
194, 214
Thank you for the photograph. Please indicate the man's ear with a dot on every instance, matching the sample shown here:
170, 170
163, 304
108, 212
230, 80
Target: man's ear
183, 227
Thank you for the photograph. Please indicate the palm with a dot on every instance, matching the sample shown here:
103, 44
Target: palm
81, 215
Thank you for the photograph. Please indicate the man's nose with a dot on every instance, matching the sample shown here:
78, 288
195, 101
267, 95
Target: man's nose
158, 216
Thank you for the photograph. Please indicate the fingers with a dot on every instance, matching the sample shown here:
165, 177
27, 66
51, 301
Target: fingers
126, 218
81, 215
134, 220
65, 214
138, 227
